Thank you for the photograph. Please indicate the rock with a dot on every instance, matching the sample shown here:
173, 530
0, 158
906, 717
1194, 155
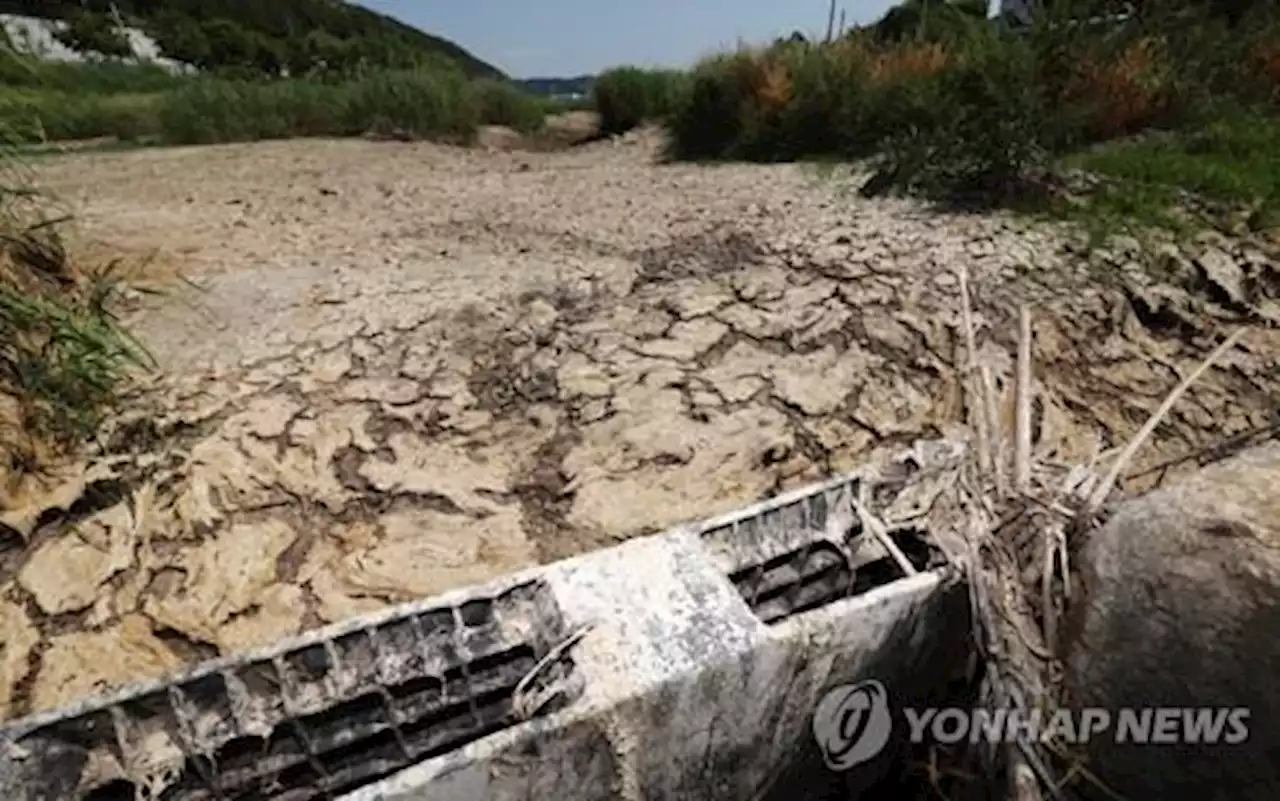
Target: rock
541, 315
579, 375
307, 468
1226, 279
395, 391
818, 383
25, 518
277, 614
695, 297
1181, 605
265, 417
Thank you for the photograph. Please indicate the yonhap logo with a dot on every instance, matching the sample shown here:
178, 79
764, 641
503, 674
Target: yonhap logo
852, 724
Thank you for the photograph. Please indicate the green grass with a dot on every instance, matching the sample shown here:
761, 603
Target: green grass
65, 357
63, 353
422, 104
1233, 160
54, 115
44, 104
44, 101
94, 77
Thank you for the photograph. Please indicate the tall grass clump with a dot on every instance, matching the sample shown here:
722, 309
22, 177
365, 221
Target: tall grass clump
94, 76
501, 103
626, 97
417, 103
44, 101
63, 353
49, 116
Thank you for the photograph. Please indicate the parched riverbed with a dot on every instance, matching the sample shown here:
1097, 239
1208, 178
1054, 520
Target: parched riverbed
410, 367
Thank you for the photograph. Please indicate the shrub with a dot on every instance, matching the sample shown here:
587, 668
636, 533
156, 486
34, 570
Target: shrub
419, 103
790, 101
973, 128
500, 103
826, 107
708, 120
947, 102
628, 96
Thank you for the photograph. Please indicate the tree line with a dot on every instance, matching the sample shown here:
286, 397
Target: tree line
271, 38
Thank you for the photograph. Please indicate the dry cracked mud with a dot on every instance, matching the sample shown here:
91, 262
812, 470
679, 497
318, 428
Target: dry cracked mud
412, 367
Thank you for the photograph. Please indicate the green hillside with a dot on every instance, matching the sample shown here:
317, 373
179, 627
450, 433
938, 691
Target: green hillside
261, 35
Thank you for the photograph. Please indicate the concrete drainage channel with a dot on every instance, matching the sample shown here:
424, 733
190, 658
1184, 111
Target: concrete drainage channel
685, 665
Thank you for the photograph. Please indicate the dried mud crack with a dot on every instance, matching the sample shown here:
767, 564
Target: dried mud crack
454, 368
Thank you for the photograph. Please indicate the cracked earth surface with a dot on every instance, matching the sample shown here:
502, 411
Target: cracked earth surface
413, 367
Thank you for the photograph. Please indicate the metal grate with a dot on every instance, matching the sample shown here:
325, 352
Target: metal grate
794, 582
804, 551
819, 574
313, 722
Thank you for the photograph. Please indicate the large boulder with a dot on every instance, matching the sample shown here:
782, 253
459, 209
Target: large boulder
1179, 609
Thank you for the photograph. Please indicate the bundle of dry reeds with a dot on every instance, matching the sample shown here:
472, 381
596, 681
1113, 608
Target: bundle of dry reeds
1010, 522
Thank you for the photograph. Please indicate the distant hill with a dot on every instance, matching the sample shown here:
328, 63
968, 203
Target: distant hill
580, 85
262, 35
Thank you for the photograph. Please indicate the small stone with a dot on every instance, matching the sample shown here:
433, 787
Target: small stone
1226, 279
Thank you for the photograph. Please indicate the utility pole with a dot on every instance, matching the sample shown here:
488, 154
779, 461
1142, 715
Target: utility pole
831, 21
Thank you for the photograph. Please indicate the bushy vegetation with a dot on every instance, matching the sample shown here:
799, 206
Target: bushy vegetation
416, 104
947, 103
628, 96
47, 102
503, 103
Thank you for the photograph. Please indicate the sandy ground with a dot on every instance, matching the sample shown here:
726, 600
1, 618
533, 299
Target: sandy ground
412, 367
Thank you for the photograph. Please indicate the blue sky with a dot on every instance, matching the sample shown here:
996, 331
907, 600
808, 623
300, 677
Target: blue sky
563, 38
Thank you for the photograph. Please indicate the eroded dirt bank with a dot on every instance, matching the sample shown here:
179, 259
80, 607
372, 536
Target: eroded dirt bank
412, 367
